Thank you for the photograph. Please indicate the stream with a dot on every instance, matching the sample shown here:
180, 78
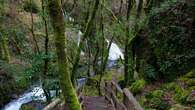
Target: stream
36, 93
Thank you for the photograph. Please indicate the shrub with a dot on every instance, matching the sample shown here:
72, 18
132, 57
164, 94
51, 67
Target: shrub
137, 86
31, 6
180, 95
148, 71
170, 86
155, 100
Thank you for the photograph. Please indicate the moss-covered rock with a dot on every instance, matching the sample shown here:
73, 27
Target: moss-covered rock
26, 107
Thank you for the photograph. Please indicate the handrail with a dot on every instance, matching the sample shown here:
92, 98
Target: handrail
112, 89
52, 104
58, 101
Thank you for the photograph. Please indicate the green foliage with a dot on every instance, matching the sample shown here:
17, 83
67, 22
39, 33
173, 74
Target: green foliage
170, 86
177, 107
156, 101
90, 91
148, 71
180, 95
137, 86
12, 81
169, 42
31, 6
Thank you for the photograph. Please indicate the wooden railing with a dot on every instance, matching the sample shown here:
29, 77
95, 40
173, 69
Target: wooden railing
121, 99
59, 104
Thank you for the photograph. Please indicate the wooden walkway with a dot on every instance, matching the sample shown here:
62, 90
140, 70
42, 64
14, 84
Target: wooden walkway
96, 103
114, 98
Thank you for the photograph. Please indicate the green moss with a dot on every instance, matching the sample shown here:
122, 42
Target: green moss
90, 91
26, 107
191, 82
142, 100
137, 86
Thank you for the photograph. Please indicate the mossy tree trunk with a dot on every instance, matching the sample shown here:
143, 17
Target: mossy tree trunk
46, 59
5, 55
32, 30
128, 70
1, 52
130, 38
57, 20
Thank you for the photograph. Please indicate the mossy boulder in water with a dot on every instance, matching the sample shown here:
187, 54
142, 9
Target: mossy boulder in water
34, 105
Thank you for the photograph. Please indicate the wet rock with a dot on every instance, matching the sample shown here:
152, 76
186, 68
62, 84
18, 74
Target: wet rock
35, 105
15, 96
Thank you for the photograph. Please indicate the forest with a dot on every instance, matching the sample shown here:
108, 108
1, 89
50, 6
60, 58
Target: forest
97, 54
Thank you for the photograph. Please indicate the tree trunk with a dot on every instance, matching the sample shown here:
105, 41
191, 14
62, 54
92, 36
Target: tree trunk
1, 51
5, 55
57, 19
128, 70
32, 31
46, 59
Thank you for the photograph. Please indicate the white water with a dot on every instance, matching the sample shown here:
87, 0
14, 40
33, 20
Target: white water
35, 94
114, 52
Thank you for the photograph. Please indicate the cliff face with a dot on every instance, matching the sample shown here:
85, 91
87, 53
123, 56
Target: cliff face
166, 47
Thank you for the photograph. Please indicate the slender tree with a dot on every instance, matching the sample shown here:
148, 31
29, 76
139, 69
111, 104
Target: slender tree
57, 20
46, 60
128, 60
32, 29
